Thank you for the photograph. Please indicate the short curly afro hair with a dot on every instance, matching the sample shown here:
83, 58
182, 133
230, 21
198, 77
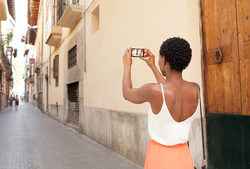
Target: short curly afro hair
177, 53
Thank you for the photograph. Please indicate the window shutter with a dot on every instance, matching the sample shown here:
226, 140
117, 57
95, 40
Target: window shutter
15, 53
54, 68
30, 70
56, 65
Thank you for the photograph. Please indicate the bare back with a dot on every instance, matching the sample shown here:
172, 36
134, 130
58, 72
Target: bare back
181, 99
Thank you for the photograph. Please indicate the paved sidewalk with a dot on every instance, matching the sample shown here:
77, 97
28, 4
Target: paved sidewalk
31, 140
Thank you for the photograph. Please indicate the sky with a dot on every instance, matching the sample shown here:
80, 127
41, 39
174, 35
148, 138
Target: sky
21, 20
19, 30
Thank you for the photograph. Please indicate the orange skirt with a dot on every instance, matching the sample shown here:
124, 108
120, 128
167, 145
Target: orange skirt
168, 157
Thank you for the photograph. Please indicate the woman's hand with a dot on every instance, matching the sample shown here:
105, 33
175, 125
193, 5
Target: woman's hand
149, 57
127, 60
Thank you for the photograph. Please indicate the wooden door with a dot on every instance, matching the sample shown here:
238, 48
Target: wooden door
226, 27
222, 80
243, 20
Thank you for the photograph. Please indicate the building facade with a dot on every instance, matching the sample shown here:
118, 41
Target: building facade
78, 57
7, 24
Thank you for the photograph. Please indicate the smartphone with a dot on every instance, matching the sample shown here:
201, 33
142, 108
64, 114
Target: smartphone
137, 52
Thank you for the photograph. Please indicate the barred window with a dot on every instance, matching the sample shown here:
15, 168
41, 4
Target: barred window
72, 57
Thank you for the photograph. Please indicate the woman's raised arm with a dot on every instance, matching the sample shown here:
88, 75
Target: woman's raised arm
134, 95
149, 58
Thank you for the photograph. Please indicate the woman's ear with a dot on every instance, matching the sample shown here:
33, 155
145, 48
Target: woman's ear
164, 60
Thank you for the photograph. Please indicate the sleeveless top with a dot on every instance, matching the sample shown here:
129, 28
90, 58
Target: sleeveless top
165, 130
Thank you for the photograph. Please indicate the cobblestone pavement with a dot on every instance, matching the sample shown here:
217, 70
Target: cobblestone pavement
31, 140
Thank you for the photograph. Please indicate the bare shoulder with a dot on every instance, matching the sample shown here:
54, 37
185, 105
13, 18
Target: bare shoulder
151, 86
149, 90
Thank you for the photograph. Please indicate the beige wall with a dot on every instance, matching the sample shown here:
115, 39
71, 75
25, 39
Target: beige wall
56, 93
122, 24
46, 48
126, 24
45, 86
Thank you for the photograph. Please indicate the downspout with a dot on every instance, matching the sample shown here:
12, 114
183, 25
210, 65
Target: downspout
84, 37
37, 91
49, 62
49, 79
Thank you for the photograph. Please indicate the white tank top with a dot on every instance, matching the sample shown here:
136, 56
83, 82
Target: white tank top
165, 130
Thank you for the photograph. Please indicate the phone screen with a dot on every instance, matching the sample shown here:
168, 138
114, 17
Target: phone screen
137, 52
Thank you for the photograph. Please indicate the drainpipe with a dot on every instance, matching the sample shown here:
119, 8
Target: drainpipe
84, 38
49, 79
37, 91
49, 62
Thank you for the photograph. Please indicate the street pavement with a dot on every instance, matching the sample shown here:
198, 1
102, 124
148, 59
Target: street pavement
32, 140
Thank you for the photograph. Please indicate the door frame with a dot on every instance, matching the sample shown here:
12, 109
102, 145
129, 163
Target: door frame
203, 98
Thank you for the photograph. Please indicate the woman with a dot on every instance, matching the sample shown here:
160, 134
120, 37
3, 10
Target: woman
16, 102
10, 102
173, 101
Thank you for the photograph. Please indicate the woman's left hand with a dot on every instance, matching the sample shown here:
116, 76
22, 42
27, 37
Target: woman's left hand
127, 60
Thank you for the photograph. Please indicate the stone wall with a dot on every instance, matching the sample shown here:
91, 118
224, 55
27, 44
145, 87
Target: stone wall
195, 142
125, 133
4, 101
56, 112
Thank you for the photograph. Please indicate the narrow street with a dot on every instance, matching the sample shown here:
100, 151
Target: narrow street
31, 140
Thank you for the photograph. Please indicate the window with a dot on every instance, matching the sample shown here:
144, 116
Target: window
95, 20
57, 83
75, 2
56, 69
72, 57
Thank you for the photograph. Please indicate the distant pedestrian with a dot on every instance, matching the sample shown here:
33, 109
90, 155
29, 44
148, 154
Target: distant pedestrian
17, 102
10, 102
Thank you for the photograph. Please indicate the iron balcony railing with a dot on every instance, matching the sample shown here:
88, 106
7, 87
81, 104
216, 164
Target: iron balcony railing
63, 4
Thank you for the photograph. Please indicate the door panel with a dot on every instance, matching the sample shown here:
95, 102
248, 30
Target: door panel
222, 135
222, 80
243, 17
226, 24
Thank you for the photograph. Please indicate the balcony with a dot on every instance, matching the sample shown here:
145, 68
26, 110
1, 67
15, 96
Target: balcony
53, 32
69, 12
54, 35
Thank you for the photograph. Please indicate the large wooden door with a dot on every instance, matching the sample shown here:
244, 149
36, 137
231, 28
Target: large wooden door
222, 80
226, 61
243, 20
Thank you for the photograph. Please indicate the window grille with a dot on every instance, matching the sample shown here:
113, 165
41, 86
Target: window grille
72, 57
